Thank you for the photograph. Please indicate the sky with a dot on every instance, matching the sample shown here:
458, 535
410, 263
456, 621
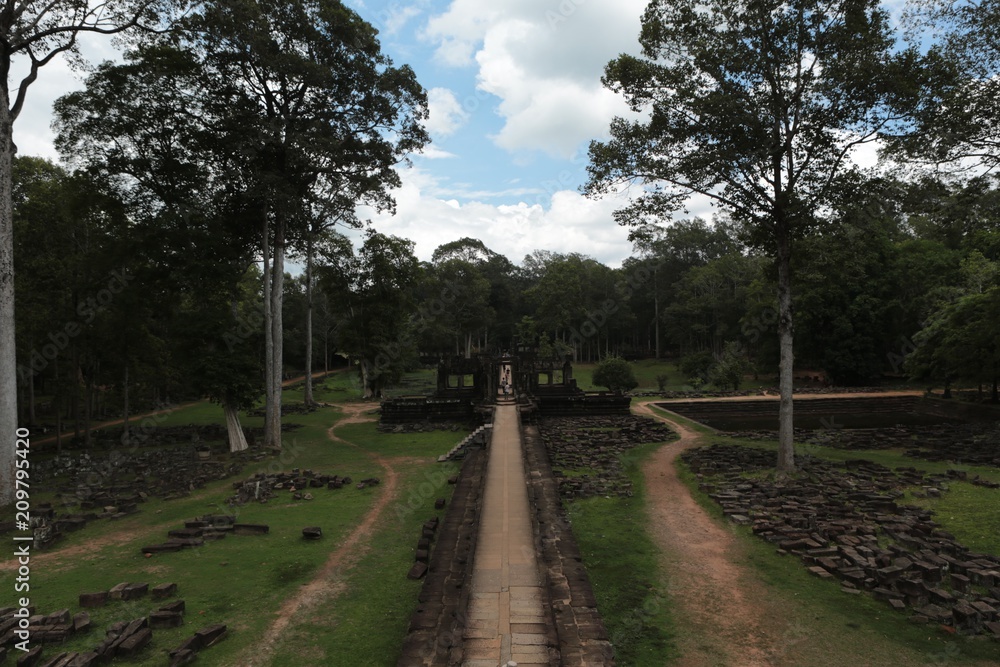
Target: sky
515, 97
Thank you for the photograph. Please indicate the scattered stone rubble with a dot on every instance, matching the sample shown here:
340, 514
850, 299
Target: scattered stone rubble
595, 443
421, 427
263, 486
845, 522
422, 555
122, 640
974, 443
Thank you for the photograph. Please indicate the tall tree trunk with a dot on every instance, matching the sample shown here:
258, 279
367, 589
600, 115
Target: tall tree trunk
273, 437
31, 394
125, 433
75, 381
88, 395
57, 404
468, 345
309, 321
786, 450
656, 312
269, 390
237, 439
8, 349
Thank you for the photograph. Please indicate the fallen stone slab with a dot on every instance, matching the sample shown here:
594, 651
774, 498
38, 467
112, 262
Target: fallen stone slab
116, 591
135, 591
135, 642
175, 606
161, 591
312, 532
211, 635
81, 622
165, 619
31, 658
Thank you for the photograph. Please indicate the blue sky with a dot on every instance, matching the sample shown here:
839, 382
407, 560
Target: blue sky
515, 98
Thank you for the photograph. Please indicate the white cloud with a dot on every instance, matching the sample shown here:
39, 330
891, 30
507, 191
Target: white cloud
446, 114
570, 223
396, 17
544, 61
431, 152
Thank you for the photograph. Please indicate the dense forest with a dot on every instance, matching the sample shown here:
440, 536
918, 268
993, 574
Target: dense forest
191, 243
906, 283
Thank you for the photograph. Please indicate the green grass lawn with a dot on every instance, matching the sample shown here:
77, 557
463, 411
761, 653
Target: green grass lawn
646, 371
832, 621
623, 565
242, 580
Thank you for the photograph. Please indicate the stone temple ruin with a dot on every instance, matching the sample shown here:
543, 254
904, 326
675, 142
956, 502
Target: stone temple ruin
468, 388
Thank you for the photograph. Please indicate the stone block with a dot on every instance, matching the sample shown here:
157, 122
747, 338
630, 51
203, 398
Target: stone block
116, 591
211, 635
81, 622
176, 606
135, 642
31, 658
135, 591
161, 591
165, 619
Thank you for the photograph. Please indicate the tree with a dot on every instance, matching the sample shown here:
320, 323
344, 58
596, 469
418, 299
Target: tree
376, 303
730, 367
38, 32
616, 374
958, 124
756, 106
312, 104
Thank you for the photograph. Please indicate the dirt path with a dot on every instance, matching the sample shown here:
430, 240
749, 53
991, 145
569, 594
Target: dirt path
328, 582
134, 527
724, 616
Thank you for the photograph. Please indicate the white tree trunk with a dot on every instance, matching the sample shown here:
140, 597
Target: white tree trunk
8, 351
786, 450
309, 321
269, 392
272, 438
237, 439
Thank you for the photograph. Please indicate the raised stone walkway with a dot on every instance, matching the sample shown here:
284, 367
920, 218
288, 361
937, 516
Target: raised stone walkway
507, 619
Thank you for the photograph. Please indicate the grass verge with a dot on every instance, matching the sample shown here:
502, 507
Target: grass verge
623, 564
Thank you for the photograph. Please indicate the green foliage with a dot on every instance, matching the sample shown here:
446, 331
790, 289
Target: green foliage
616, 374
661, 381
730, 368
697, 366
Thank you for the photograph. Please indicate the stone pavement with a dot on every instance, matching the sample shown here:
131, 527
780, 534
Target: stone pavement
507, 619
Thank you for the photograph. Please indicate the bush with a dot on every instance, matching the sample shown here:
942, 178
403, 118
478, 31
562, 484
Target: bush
730, 368
616, 374
696, 367
661, 381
